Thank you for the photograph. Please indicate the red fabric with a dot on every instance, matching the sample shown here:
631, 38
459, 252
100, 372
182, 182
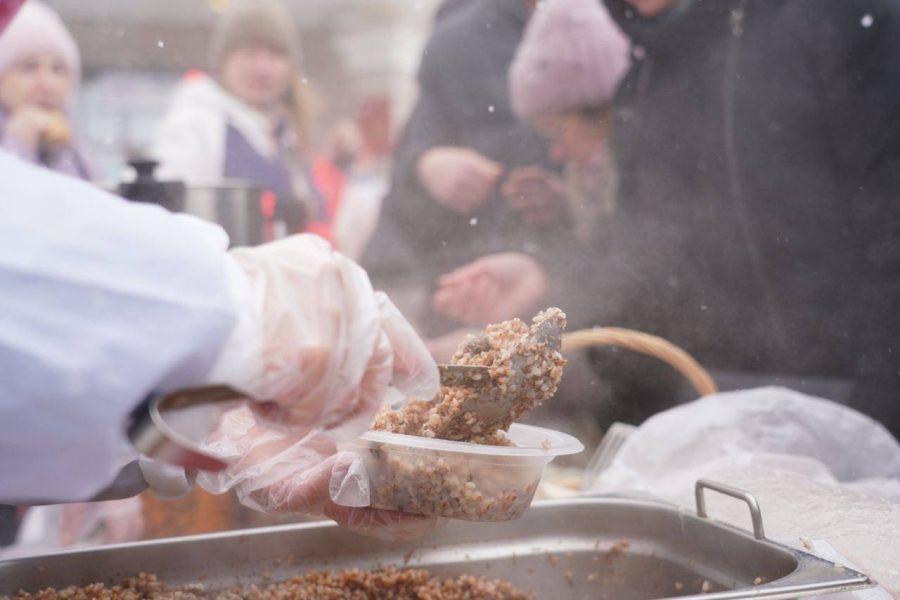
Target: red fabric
329, 180
8, 9
268, 202
191, 74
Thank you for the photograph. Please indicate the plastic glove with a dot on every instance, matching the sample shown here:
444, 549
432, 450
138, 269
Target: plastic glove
321, 347
274, 471
315, 339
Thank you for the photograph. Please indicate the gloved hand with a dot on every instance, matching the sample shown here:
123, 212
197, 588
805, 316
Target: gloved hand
321, 348
274, 471
316, 341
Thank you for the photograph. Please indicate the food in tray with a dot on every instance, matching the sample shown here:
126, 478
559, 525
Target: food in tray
351, 584
504, 348
451, 478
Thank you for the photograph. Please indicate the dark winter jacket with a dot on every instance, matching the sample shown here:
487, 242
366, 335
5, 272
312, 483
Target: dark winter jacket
463, 101
758, 143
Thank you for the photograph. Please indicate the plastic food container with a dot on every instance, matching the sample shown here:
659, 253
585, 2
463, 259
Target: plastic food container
459, 480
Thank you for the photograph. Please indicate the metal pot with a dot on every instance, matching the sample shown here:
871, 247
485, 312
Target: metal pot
235, 205
246, 211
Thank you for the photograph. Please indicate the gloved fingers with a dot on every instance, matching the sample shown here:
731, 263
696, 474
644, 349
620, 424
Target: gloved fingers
321, 387
321, 357
386, 525
369, 394
300, 290
259, 456
297, 358
304, 492
349, 500
353, 387
322, 329
414, 371
349, 485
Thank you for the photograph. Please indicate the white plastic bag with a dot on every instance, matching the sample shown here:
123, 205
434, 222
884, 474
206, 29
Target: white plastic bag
670, 449
805, 459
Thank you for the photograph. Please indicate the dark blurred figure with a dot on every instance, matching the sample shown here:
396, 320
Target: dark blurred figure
563, 81
757, 221
448, 203
759, 151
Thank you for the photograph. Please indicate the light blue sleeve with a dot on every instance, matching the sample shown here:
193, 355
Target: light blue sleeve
101, 302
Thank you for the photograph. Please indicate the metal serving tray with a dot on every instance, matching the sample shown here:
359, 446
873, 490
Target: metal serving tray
592, 547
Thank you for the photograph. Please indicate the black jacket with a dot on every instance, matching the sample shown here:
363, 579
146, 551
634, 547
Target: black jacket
758, 225
463, 101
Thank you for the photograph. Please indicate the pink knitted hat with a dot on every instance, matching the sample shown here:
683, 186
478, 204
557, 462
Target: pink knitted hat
8, 9
572, 56
37, 28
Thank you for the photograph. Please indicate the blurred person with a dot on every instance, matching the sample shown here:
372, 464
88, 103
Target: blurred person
360, 179
563, 80
249, 120
447, 203
781, 155
40, 67
757, 223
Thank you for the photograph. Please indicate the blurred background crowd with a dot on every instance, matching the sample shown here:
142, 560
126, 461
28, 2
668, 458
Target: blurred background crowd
721, 174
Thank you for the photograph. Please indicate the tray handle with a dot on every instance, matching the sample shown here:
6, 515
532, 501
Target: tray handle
755, 514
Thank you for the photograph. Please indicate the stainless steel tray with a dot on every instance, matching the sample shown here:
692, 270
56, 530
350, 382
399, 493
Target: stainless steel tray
561, 549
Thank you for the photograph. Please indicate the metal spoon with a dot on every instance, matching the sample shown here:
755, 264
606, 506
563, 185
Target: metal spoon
492, 408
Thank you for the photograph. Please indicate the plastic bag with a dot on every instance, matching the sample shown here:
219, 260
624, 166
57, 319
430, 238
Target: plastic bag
670, 449
804, 458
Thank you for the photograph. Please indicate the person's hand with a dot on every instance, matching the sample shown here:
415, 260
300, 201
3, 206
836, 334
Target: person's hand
325, 349
31, 126
537, 195
321, 347
274, 471
460, 179
492, 288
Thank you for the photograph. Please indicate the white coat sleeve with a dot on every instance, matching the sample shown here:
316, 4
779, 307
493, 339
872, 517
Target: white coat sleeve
101, 302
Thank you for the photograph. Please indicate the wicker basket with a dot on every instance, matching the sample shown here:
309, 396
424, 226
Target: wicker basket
647, 344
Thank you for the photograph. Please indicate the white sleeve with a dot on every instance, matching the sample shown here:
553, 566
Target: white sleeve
101, 303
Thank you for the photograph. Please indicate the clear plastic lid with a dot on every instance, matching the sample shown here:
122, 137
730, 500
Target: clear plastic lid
529, 441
